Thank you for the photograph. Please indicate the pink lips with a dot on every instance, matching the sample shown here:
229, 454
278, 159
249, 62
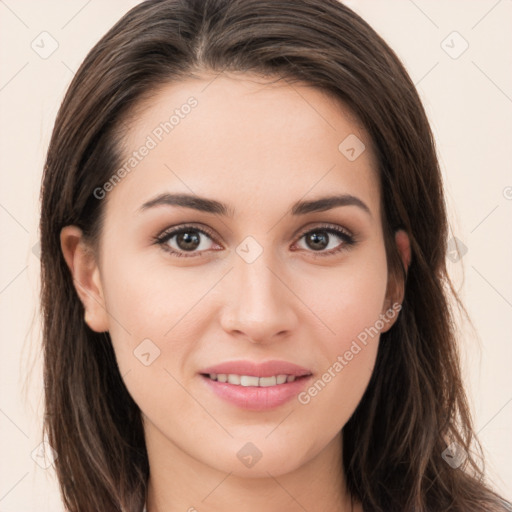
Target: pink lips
266, 369
257, 398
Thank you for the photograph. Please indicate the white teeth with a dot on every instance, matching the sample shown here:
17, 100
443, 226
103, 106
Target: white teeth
267, 381
281, 379
234, 379
250, 380
246, 380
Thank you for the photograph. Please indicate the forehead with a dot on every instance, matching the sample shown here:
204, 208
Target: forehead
246, 141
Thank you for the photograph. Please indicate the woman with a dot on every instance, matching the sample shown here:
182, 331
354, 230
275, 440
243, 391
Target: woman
245, 297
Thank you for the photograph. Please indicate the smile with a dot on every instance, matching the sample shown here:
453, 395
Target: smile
255, 393
250, 380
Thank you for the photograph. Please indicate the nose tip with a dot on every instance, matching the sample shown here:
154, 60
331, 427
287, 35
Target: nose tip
256, 339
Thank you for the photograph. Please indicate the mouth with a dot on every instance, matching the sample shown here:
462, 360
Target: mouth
252, 380
254, 393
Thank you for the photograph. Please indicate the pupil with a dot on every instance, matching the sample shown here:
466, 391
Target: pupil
315, 239
188, 239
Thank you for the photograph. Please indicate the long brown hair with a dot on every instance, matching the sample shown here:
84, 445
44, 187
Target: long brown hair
414, 405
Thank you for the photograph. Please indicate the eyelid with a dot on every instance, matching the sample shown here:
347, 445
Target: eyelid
323, 225
338, 230
349, 239
169, 233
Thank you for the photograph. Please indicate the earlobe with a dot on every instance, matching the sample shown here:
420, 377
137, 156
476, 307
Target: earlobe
80, 260
404, 247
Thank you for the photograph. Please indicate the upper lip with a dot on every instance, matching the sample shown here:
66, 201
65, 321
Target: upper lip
263, 369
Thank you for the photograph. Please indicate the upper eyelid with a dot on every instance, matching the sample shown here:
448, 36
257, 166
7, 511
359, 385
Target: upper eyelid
325, 225
171, 232
177, 229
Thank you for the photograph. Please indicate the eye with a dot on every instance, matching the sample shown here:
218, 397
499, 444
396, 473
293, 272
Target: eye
324, 237
187, 240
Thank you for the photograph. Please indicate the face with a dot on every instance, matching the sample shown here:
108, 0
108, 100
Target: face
267, 277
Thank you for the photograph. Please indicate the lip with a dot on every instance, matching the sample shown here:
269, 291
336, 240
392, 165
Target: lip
252, 397
264, 369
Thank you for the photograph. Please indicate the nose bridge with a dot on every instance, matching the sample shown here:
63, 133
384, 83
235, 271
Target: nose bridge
255, 281
260, 305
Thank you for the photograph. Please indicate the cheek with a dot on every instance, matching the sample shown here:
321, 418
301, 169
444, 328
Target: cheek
150, 299
148, 308
350, 310
348, 299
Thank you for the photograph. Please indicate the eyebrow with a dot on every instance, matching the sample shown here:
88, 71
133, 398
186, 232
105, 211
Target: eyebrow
212, 206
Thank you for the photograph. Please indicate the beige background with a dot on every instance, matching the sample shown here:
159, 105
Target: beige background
469, 102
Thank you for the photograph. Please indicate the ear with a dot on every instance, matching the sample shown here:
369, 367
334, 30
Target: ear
86, 277
396, 288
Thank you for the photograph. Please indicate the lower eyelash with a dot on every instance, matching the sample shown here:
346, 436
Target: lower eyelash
348, 240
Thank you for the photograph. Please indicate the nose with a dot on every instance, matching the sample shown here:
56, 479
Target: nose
261, 305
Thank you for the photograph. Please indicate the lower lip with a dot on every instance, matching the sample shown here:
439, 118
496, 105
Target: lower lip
257, 398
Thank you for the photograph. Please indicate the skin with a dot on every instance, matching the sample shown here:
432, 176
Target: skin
259, 148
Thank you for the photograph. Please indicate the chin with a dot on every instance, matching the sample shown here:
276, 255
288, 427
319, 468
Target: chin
256, 459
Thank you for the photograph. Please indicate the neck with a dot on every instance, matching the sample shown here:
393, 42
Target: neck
180, 482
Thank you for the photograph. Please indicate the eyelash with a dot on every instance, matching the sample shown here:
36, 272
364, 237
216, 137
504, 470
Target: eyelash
348, 239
